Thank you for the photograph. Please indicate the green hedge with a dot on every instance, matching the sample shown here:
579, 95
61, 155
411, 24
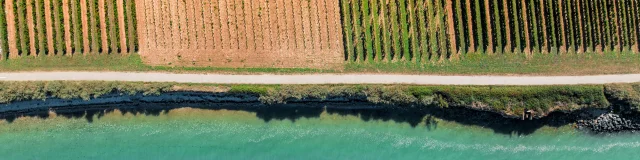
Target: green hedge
4, 45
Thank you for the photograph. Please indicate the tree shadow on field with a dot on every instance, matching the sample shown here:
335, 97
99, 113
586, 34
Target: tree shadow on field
416, 117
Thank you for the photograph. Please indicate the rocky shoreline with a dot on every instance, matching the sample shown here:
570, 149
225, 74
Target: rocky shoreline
610, 123
590, 120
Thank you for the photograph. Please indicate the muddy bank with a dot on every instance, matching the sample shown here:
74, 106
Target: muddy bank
592, 120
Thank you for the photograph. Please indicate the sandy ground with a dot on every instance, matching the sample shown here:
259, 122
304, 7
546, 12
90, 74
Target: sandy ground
321, 78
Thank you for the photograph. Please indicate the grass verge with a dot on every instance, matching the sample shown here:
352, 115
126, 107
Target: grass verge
507, 100
472, 64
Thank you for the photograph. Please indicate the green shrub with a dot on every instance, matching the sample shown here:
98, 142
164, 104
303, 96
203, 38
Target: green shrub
357, 30
132, 30
366, 26
376, 29
461, 30
433, 30
395, 32
93, 18
4, 45
348, 30
41, 31
424, 31
387, 31
56, 11
478, 20
76, 26
533, 16
20, 91
498, 26
404, 29
627, 96
21, 26
112, 26
413, 32
516, 26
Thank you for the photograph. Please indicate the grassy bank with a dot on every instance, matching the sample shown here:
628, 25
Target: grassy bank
474, 64
508, 100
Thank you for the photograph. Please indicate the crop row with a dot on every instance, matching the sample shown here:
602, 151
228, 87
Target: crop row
66, 27
430, 30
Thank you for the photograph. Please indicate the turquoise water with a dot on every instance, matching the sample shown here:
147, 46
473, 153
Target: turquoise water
222, 134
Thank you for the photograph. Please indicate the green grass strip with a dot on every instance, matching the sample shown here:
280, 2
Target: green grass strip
4, 45
533, 16
348, 30
366, 25
460, 26
552, 20
424, 31
21, 25
607, 22
76, 26
479, 27
357, 30
442, 34
95, 39
433, 30
404, 28
40, 26
625, 24
387, 31
112, 23
516, 26
377, 37
587, 9
413, 32
498, 26
572, 35
395, 27
132, 30
57, 27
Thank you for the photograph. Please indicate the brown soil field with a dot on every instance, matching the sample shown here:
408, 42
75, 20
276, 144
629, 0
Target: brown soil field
323, 22
175, 24
198, 23
314, 22
240, 24
297, 23
242, 33
207, 25
248, 23
225, 30
258, 30
274, 25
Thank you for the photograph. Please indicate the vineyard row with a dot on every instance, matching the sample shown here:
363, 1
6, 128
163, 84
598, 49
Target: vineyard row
67, 27
432, 30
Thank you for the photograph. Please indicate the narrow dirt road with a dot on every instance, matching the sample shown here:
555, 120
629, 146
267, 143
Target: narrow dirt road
319, 78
